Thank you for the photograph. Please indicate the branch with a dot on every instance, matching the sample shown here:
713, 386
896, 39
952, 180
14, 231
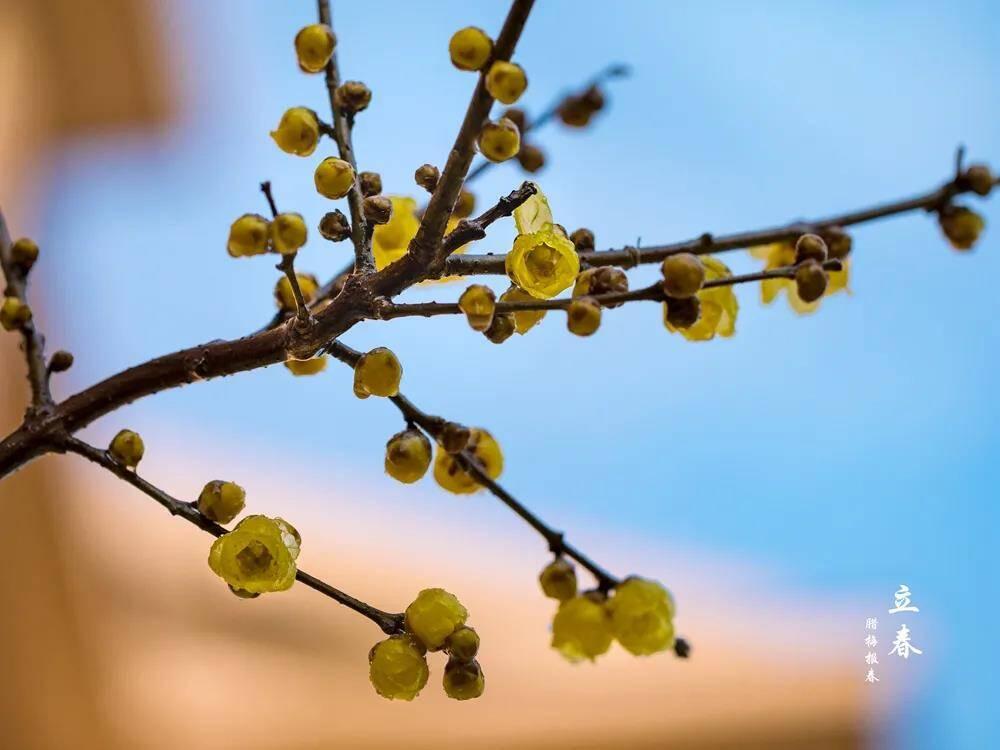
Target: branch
389, 623
287, 266
33, 341
652, 293
615, 70
433, 425
364, 260
629, 257
425, 247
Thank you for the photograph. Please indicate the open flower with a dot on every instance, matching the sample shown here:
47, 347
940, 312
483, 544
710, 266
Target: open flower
718, 306
782, 254
642, 614
391, 240
257, 556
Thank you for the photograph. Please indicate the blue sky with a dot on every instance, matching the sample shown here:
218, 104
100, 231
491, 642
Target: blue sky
851, 450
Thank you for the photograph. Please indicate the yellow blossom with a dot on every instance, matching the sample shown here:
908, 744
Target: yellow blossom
454, 478
782, 254
254, 556
718, 306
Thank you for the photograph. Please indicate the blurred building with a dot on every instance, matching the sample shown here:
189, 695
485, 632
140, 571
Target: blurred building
114, 635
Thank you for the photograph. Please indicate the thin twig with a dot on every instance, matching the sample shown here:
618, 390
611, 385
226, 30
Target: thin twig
364, 260
287, 264
615, 70
33, 342
458, 265
652, 293
390, 623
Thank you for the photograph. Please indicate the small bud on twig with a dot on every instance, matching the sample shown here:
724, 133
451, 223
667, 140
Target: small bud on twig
24, 253
427, 176
377, 209
334, 226
583, 240
61, 361
351, 97
371, 183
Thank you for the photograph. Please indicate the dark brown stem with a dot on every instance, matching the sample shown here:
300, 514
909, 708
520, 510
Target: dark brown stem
389, 623
707, 243
652, 293
433, 425
426, 246
364, 260
33, 343
615, 70
287, 264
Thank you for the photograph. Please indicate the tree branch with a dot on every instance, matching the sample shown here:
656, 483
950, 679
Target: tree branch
33, 343
364, 260
629, 257
389, 623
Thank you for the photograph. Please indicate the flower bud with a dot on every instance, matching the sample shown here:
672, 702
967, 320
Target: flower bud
506, 81
531, 158
602, 280
962, 226
61, 361
334, 226
463, 644
583, 240
24, 253
288, 233
683, 275
593, 98
407, 456
285, 297
314, 46
463, 680
478, 303
575, 112
465, 205
433, 616
14, 313
558, 580
810, 281
499, 141
377, 373
583, 317
501, 329
810, 247
221, 501
451, 474
470, 48
517, 116
838, 242
351, 97
334, 178
377, 209
370, 183
248, 235
427, 176
581, 629
398, 668
980, 178
682, 312
127, 448
297, 132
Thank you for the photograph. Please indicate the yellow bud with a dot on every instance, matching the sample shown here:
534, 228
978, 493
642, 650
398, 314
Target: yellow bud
683, 275
558, 580
810, 281
407, 456
581, 629
433, 616
506, 81
314, 47
254, 556
334, 178
501, 328
528, 319
463, 680
583, 316
221, 501
478, 303
127, 447
248, 235
377, 373
499, 141
288, 233
452, 477
306, 366
24, 253
962, 226
470, 48
398, 668
283, 295
14, 313
810, 247
463, 644
297, 132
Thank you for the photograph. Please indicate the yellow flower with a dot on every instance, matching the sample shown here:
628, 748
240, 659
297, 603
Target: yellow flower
128, 448
255, 556
221, 501
397, 668
377, 373
285, 297
581, 629
782, 254
434, 615
297, 132
719, 306
558, 580
523, 321
288, 233
314, 47
311, 366
506, 81
407, 456
500, 140
642, 614
334, 178
454, 478
14, 313
543, 263
248, 235
470, 48
391, 240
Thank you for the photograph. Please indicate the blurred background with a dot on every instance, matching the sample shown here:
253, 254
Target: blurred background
782, 483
